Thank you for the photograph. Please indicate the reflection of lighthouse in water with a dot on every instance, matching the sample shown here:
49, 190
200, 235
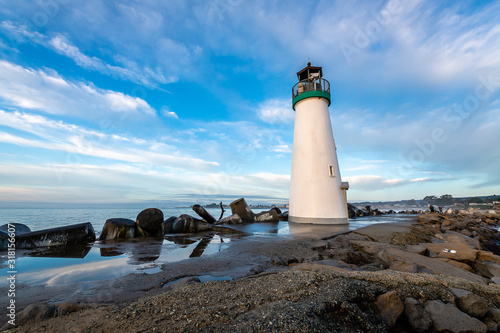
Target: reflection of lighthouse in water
317, 194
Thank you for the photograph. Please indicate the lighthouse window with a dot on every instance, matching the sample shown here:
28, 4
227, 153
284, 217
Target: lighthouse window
332, 171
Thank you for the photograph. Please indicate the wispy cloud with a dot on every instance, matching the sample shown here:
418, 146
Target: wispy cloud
130, 71
74, 139
46, 91
276, 111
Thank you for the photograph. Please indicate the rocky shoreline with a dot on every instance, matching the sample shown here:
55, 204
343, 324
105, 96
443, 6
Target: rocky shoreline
440, 273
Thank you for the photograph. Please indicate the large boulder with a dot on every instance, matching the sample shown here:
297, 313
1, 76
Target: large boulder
455, 251
417, 317
470, 303
283, 216
425, 264
267, 216
231, 219
168, 224
188, 224
150, 223
447, 318
241, 208
17, 228
487, 269
118, 228
390, 307
71, 235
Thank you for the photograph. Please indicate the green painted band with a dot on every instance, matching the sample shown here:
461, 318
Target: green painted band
313, 93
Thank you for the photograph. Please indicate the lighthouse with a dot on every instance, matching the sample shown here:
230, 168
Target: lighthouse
317, 193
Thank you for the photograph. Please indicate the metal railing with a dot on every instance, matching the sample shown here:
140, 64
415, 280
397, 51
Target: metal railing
310, 85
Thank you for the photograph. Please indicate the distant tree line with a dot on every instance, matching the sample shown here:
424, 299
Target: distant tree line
447, 199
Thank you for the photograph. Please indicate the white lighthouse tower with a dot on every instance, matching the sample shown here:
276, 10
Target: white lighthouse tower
317, 194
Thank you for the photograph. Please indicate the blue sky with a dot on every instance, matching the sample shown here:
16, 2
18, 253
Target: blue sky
190, 101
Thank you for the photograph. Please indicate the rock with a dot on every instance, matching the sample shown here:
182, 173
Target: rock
278, 211
470, 303
417, 317
67, 307
492, 320
118, 229
72, 235
487, 269
257, 269
188, 224
447, 318
17, 228
150, 223
319, 245
268, 216
204, 214
168, 224
418, 249
182, 283
312, 266
426, 264
466, 232
283, 216
404, 266
457, 263
241, 208
488, 256
457, 238
449, 211
459, 252
35, 313
360, 213
492, 326
232, 219
351, 213
383, 232
390, 307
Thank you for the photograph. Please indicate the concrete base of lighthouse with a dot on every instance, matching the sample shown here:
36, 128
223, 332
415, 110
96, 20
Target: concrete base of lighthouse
317, 220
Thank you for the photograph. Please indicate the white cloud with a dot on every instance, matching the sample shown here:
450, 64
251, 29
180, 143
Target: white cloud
373, 182
284, 148
168, 113
44, 90
77, 140
62, 46
276, 111
131, 71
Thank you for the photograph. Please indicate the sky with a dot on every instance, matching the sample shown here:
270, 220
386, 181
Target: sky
190, 101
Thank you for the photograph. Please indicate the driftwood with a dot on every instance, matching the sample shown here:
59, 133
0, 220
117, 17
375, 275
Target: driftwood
222, 210
204, 214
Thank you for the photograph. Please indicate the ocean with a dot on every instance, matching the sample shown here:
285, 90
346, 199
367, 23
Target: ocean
110, 260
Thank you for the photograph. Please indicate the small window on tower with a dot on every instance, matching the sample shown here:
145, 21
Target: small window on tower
332, 171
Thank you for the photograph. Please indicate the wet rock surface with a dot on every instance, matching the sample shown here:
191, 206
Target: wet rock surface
118, 229
382, 278
150, 223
